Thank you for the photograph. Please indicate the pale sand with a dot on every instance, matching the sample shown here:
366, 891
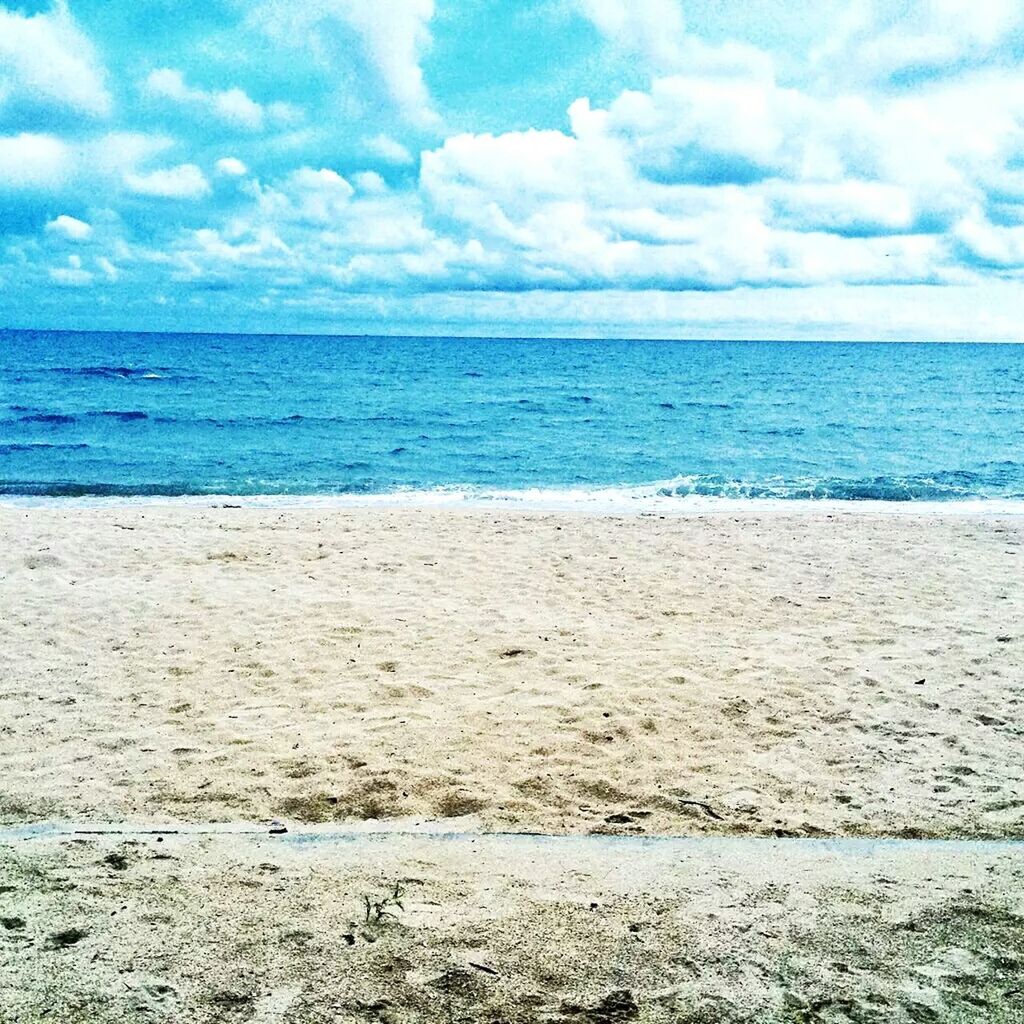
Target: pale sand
515, 929
528, 672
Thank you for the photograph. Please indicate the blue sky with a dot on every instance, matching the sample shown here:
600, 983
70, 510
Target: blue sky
697, 168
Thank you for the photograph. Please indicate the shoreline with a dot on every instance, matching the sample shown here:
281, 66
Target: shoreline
608, 502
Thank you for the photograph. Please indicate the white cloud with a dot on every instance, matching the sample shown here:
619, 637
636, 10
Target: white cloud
392, 36
370, 182
108, 268
305, 200
232, 107
725, 178
319, 197
110, 156
69, 227
395, 35
653, 29
388, 149
186, 181
31, 161
284, 114
235, 107
324, 180
845, 207
47, 61
72, 275
231, 166
717, 175
984, 312
880, 42
48, 163
985, 244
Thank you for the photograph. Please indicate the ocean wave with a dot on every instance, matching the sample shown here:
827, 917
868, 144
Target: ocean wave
125, 415
696, 491
942, 486
53, 418
955, 490
63, 419
30, 446
74, 489
114, 372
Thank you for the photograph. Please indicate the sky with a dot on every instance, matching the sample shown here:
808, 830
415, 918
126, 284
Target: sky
652, 168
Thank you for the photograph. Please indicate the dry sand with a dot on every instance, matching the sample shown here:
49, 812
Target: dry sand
782, 675
789, 674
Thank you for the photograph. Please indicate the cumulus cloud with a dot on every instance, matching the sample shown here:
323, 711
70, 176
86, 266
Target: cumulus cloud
370, 182
186, 181
33, 161
313, 197
727, 178
72, 275
48, 164
48, 64
108, 157
984, 244
70, 227
392, 37
231, 166
232, 107
310, 229
884, 43
720, 174
653, 29
388, 149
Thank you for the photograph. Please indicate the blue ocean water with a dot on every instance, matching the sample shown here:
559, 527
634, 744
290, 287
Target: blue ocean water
145, 414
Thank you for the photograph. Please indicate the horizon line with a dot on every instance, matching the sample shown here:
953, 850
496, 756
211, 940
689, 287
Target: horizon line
510, 337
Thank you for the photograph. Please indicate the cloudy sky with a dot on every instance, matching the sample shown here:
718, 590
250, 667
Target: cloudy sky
723, 168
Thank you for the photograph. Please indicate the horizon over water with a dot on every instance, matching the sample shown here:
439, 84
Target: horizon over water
538, 422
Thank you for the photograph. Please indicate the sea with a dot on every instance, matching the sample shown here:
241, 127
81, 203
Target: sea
610, 424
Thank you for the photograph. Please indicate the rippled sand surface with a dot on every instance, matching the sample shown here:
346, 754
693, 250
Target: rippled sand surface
807, 674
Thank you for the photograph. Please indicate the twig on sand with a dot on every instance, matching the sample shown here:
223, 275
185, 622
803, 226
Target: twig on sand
706, 808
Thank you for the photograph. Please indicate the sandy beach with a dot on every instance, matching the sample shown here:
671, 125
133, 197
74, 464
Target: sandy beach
781, 675
243, 723
566, 930
511, 513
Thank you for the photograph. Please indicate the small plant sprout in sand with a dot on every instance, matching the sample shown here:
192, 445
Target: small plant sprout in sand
380, 911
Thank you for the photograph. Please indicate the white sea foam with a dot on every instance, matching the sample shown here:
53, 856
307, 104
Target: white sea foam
667, 497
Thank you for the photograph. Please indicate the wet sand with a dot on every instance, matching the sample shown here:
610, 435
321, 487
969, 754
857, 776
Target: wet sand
575, 929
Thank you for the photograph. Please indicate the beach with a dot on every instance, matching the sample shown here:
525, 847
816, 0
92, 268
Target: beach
782, 675
511, 513
593, 930
225, 726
